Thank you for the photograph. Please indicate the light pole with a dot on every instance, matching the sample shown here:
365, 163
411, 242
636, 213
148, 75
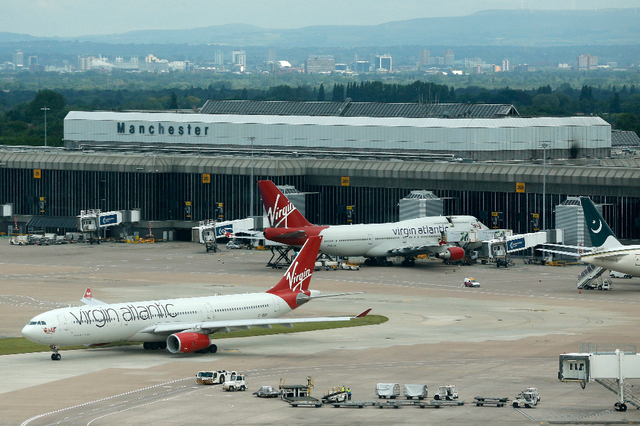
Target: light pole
544, 146
251, 138
45, 109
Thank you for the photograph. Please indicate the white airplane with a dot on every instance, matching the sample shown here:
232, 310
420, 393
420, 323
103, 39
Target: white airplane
181, 325
376, 242
607, 252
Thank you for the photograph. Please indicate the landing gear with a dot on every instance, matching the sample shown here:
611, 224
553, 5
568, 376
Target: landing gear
409, 261
212, 349
154, 345
55, 356
620, 406
377, 261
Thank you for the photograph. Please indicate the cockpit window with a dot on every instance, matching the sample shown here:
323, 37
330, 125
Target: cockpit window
33, 323
37, 323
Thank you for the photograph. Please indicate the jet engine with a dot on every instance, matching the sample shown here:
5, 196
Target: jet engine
452, 254
187, 342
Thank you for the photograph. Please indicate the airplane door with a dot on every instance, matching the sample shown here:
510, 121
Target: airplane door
209, 310
370, 239
62, 322
637, 259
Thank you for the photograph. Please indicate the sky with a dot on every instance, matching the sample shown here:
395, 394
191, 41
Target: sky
71, 18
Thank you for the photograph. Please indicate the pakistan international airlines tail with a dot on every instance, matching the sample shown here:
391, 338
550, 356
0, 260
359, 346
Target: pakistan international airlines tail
376, 242
181, 325
607, 252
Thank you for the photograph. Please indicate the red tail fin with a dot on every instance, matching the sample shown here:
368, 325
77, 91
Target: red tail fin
298, 276
280, 211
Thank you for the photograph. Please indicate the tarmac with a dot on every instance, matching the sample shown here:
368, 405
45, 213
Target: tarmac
491, 341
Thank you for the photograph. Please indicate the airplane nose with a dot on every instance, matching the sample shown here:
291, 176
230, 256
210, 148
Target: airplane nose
29, 331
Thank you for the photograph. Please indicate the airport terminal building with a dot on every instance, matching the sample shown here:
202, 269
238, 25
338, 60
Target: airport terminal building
177, 167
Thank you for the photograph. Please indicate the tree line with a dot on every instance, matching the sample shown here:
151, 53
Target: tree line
22, 117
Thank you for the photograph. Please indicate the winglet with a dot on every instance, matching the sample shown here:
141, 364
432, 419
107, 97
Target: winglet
88, 299
363, 314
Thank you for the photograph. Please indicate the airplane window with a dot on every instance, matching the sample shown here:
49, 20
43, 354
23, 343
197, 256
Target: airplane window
32, 323
44, 323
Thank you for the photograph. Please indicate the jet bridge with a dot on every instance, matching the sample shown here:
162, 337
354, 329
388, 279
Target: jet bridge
608, 365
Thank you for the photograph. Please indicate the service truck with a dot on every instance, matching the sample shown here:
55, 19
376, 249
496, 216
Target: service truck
237, 382
448, 393
213, 377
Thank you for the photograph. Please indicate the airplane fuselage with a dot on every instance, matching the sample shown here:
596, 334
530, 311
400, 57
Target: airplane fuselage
625, 259
135, 321
380, 239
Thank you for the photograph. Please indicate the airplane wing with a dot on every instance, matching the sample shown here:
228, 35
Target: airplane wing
584, 249
210, 327
566, 253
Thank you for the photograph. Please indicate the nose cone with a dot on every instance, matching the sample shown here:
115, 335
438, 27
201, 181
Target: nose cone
29, 331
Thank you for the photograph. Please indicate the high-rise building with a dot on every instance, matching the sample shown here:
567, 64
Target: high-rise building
320, 64
18, 58
449, 58
218, 58
506, 65
384, 62
362, 66
424, 56
587, 62
239, 57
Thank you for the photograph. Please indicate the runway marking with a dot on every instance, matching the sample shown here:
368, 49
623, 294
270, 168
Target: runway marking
26, 422
523, 413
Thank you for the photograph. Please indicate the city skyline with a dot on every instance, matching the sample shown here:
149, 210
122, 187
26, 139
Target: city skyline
74, 18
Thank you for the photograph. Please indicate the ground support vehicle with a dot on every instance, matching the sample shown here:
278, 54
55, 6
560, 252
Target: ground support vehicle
237, 382
336, 394
534, 392
470, 282
484, 400
267, 392
524, 399
352, 404
388, 390
213, 377
388, 404
415, 391
448, 393
438, 404
304, 401
616, 274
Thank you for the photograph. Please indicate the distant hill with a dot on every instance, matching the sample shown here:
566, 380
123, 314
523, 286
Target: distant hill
488, 28
533, 28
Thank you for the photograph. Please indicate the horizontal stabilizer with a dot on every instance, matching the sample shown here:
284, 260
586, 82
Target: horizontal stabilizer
88, 298
320, 296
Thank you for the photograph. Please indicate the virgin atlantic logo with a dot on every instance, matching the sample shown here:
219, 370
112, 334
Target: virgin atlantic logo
278, 215
296, 280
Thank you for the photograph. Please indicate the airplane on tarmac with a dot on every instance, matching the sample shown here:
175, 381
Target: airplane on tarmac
181, 325
607, 252
376, 242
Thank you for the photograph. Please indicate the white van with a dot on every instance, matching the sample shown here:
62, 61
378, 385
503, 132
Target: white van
616, 274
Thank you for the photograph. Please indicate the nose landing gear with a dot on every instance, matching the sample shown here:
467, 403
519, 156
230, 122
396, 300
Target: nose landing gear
55, 356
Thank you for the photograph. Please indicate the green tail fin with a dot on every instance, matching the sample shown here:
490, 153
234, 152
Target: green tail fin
599, 231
